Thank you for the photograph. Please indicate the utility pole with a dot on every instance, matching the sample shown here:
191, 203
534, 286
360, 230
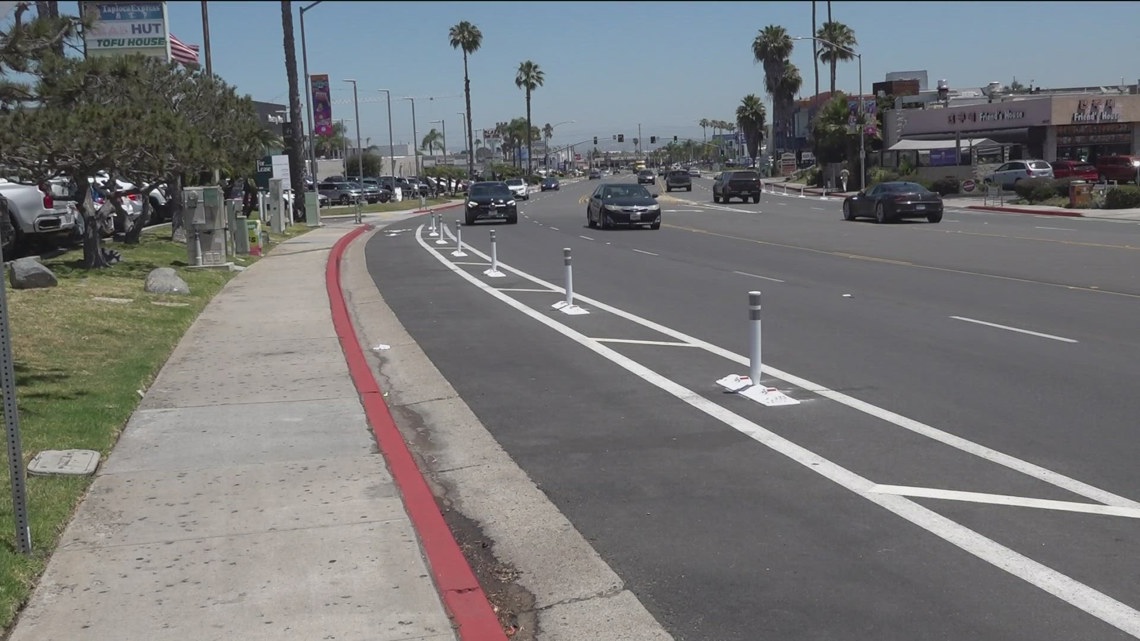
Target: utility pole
206, 38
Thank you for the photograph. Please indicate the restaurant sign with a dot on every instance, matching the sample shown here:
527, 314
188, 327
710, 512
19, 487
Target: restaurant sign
1097, 110
985, 116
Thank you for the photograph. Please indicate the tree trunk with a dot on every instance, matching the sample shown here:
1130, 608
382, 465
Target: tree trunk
529, 148
470, 131
134, 232
815, 47
834, 64
93, 257
177, 231
293, 140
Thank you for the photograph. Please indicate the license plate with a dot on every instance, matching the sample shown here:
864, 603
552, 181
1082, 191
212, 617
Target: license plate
920, 207
494, 207
635, 216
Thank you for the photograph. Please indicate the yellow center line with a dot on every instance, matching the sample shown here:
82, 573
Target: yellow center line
1091, 289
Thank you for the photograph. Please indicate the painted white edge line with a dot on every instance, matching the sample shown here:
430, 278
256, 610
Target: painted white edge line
585, 238
633, 341
774, 280
524, 289
1056, 228
1001, 499
1014, 329
642, 251
999, 458
1047, 579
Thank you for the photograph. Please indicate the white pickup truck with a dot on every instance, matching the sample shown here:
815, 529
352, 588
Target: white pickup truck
32, 214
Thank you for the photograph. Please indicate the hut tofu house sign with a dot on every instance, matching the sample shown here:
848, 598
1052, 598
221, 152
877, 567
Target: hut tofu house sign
986, 116
1097, 110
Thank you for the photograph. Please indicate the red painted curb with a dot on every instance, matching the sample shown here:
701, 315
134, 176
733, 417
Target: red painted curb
460, 590
1015, 210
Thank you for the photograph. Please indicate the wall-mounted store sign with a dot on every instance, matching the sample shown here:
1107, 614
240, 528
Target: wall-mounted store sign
1097, 110
985, 116
1099, 134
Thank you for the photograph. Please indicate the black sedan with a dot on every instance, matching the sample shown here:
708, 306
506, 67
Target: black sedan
549, 183
623, 204
491, 201
891, 201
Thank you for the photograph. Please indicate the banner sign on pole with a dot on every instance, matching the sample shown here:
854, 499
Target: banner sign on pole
322, 105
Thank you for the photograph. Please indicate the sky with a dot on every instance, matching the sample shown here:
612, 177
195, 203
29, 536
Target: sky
612, 66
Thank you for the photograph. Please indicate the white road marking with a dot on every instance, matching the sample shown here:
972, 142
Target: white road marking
819, 208
774, 280
632, 341
477, 264
1061, 586
1032, 470
1015, 501
554, 228
1014, 329
642, 251
585, 237
784, 204
524, 289
1056, 228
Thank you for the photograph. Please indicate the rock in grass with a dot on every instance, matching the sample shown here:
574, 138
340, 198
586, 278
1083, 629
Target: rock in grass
30, 273
164, 280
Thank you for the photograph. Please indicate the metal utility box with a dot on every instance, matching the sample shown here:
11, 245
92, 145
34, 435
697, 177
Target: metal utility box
276, 205
1080, 195
204, 219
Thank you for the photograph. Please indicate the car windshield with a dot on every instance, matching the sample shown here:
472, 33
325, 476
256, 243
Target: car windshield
903, 187
1039, 164
625, 191
515, 181
490, 189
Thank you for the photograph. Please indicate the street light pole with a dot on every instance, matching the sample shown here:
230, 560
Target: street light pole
391, 149
862, 106
309, 115
359, 149
415, 144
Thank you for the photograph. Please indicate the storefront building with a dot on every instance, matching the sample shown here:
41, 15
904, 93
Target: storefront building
1082, 126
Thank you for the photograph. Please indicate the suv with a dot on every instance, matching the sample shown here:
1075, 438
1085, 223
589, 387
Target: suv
737, 184
341, 193
518, 188
1119, 168
678, 179
645, 176
1014, 171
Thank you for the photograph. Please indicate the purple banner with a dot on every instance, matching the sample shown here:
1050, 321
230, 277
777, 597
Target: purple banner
322, 105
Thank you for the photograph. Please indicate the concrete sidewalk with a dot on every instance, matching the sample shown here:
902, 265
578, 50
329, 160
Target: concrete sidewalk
246, 498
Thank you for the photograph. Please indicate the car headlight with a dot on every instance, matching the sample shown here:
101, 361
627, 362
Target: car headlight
472, 203
510, 203
1136, 163
655, 208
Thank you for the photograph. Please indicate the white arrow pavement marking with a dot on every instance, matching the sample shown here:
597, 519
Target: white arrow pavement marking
1063, 587
1014, 329
1001, 499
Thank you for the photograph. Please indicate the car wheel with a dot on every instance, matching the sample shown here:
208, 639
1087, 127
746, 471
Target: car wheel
469, 219
668, 189
345, 200
513, 219
716, 199
590, 220
602, 224
656, 225
847, 213
880, 214
934, 218
690, 188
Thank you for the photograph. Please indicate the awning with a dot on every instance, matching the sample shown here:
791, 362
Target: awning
929, 145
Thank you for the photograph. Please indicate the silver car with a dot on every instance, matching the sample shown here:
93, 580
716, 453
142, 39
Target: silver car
35, 213
341, 193
1014, 171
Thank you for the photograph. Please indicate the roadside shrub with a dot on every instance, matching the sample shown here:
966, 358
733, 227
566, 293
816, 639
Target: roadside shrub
945, 186
880, 175
1036, 190
1062, 185
1122, 197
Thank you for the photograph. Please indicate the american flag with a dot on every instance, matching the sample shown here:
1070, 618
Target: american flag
183, 53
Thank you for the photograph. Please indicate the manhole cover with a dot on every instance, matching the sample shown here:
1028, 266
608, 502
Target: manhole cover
65, 462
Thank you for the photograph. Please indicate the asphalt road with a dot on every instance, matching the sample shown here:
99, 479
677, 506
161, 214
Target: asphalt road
961, 462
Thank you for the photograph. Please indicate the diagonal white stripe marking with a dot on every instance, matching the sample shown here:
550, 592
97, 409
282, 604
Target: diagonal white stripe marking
1014, 329
1002, 499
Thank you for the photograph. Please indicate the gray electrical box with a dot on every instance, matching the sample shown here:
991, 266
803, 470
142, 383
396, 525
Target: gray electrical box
204, 218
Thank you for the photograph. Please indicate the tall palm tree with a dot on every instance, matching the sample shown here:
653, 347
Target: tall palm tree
751, 117
529, 77
843, 39
772, 48
704, 123
293, 141
468, 38
815, 47
547, 134
432, 141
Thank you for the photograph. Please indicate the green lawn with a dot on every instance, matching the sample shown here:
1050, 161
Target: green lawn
79, 365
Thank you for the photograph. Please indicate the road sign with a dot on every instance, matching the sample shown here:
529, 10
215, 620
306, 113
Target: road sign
969, 186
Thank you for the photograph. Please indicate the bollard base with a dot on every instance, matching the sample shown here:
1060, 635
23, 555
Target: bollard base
572, 310
441, 241
494, 273
767, 396
459, 253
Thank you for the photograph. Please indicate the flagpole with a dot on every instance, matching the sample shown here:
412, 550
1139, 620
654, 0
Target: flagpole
206, 38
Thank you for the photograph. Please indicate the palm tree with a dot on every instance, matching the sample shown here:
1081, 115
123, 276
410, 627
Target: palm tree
529, 77
468, 38
815, 47
432, 141
547, 134
704, 123
751, 117
772, 48
293, 142
836, 44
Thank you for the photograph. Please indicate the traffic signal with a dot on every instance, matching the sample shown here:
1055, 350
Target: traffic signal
621, 137
635, 141
674, 139
615, 136
595, 140
653, 140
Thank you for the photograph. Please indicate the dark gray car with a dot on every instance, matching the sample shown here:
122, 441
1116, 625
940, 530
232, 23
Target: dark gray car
623, 204
678, 179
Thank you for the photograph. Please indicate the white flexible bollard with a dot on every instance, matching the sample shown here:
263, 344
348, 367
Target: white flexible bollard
569, 276
433, 231
802, 192
442, 240
754, 367
458, 253
823, 196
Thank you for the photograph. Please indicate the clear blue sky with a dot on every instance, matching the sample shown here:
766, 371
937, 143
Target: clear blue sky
666, 65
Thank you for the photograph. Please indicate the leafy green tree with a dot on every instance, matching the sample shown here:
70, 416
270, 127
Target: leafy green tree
467, 37
431, 141
529, 78
28, 41
752, 116
370, 161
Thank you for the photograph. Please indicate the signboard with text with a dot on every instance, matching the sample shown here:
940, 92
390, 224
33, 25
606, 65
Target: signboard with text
122, 28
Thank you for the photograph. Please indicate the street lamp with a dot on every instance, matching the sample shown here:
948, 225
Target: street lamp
309, 113
415, 148
391, 151
552, 128
344, 145
862, 107
359, 149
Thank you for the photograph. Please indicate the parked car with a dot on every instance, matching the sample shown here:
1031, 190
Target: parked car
1015, 171
550, 183
35, 213
678, 179
694, 172
1075, 169
623, 204
737, 184
646, 177
1119, 168
341, 193
374, 186
891, 201
595, 174
491, 200
518, 188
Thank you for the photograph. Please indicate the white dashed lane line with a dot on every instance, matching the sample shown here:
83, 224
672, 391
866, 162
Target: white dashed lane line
642, 251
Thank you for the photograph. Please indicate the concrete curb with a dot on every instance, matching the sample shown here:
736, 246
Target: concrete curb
1018, 210
455, 580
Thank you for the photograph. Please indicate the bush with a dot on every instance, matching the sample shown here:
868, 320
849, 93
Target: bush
880, 175
1036, 190
1122, 197
945, 186
1062, 185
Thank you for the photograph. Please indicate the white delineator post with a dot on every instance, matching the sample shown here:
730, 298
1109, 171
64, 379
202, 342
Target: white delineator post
459, 253
432, 229
442, 240
569, 276
754, 367
494, 272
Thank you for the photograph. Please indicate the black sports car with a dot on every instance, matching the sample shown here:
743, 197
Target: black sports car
550, 182
491, 201
623, 204
891, 201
